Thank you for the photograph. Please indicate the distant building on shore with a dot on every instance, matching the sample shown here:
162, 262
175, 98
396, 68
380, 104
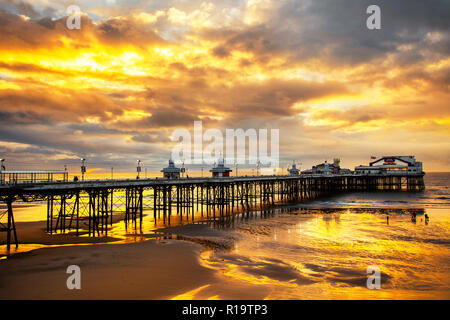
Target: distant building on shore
391, 164
294, 171
171, 172
220, 170
328, 168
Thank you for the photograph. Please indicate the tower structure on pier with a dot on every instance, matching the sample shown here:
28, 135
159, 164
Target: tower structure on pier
171, 172
220, 170
294, 171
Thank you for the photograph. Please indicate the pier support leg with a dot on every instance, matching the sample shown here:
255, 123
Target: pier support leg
11, 226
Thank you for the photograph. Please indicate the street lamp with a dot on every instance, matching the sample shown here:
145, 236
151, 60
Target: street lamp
183, 170
139, 169
2, 167
83, 168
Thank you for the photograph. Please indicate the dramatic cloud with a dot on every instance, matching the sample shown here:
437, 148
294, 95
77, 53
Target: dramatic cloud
116, 89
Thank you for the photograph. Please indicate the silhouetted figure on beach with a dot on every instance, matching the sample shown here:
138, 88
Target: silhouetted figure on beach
387, 220
413, 218
427, 218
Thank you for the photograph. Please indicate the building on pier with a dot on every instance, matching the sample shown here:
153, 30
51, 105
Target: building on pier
294, 171
171, 172
328, 168
392, 164
220, 170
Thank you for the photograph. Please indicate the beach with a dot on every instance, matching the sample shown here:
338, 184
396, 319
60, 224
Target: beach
154, 269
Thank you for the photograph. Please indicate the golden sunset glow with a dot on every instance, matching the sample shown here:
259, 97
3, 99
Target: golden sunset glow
118, 87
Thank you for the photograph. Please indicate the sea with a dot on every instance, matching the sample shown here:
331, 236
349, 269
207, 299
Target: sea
341, 247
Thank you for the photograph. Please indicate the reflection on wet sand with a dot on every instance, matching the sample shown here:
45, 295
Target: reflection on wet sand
324, 254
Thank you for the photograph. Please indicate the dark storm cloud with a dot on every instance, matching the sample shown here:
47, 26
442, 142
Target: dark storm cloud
62, 104
22, 117
116, 31
96, 129
27, 67
220, 52
335, 30
22, 33
62, 139
19, 7
277, 97
166, 116
156, 137
180, 104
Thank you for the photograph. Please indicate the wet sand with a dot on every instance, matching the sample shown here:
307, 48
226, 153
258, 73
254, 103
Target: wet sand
151, 269
145, 270
35, 233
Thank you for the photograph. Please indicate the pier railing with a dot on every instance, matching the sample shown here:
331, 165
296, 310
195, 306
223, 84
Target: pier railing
31, 177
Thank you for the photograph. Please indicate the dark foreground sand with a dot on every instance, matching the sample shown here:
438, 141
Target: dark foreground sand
152, 269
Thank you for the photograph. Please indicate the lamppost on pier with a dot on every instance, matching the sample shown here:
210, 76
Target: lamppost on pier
183, 170
139, 169
112, 173
83, 168
2, 166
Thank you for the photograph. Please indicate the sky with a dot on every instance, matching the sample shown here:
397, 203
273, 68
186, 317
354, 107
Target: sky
116, 89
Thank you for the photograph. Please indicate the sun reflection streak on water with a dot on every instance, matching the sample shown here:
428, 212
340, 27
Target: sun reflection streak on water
328, 255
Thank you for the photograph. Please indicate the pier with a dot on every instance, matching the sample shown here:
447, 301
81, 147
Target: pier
88, 207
